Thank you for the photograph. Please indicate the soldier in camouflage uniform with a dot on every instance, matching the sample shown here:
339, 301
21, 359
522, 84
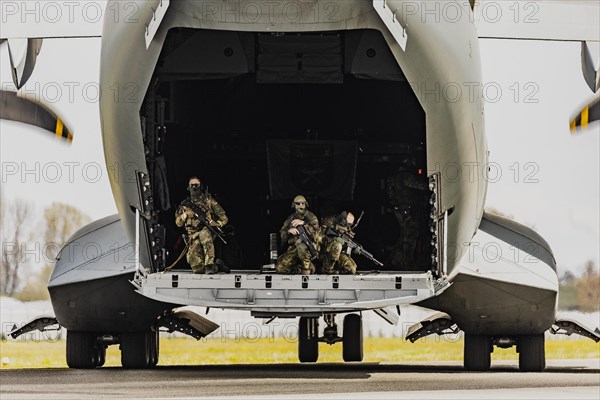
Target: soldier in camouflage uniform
297, 259
406, 194
334, 260
201, 250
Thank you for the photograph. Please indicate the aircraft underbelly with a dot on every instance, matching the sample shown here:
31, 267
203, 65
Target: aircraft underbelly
480, 305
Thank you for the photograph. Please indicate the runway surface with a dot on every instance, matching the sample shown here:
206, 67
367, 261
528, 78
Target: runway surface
568, 379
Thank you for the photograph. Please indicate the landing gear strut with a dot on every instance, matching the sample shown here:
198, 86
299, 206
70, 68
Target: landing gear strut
330, 333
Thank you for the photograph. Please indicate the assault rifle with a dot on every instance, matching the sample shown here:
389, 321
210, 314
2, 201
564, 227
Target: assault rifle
215, 230
352, 245
303, 235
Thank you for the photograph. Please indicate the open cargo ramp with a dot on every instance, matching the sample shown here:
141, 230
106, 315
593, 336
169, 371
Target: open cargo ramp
273, 294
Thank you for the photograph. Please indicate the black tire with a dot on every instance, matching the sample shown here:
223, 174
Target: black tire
81, 350
308, 339
135, 350
100, 357
532, 354
478, 352
353, 338
154, 348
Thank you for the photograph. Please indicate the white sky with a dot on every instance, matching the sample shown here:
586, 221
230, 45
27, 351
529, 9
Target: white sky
562, 205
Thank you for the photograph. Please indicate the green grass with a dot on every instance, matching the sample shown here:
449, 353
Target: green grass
183, 351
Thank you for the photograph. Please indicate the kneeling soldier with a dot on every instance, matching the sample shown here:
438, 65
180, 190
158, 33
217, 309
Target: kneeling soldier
334, 260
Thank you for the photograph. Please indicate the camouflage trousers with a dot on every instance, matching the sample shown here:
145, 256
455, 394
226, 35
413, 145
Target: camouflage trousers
334, 261
201, 251
295, 260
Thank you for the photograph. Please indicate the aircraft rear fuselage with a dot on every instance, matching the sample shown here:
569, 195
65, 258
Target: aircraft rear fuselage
232, 91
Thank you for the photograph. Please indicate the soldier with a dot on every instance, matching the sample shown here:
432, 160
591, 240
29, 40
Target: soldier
201, 250
334, 260
407, 194
298, 257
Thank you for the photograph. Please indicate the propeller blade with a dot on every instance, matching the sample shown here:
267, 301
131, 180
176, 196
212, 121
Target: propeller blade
23, 55
14, 108
589, 113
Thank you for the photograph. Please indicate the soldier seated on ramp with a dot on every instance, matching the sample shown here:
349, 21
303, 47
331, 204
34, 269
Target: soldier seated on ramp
301, 232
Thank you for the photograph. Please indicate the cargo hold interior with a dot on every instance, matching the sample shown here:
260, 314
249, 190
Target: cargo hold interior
262, 117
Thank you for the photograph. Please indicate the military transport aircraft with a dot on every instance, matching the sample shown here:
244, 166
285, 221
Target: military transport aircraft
329, 98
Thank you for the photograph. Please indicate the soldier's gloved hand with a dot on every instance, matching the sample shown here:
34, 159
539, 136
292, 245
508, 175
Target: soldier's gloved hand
190, 214
297, 222
293, 231
357, 251
215, 224
183, 216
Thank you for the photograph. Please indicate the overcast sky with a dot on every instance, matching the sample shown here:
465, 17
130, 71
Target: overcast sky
550, 179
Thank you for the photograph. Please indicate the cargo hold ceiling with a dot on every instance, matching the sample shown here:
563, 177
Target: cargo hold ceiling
277, 58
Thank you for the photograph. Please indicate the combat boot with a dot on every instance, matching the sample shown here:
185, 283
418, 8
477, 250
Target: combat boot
308, 268
198, 269
224, 269
211, 269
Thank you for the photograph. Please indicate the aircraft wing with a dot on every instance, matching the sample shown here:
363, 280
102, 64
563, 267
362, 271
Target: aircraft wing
539, 20
38, 19
24, 26
556, 20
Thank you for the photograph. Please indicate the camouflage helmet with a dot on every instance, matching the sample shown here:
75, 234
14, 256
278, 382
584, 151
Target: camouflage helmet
299, 199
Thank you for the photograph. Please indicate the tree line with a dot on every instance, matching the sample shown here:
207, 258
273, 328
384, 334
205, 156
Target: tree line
580, 293
30, 244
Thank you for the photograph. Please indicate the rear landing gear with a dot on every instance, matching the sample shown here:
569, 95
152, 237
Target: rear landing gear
532, 356
100, 356
154, 348
308, 337
353, 338
478, 350
81, 350
139, 349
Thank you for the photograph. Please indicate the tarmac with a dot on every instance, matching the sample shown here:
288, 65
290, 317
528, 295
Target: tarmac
563, 379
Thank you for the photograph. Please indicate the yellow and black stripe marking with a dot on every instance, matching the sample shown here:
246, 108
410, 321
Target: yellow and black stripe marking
14, 108
590, 113
62, 132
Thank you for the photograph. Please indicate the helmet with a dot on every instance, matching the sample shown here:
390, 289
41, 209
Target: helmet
299, 199
300, 204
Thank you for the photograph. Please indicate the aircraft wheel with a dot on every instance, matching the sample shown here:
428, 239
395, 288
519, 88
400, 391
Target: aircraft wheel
100, 356
478, 352
81, 349
353, 338
135, 350
532, 356
154, 348
308, 339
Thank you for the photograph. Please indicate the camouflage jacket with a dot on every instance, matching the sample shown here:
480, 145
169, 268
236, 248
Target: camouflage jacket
331, 222
213, 211
311, 224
